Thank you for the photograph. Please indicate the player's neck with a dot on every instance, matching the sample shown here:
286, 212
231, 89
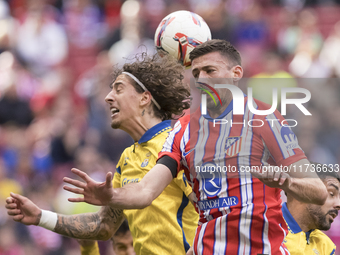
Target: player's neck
217, 111
137, 126
301, 215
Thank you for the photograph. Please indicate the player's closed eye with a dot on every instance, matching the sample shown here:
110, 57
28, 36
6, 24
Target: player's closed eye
121, 247
119, 89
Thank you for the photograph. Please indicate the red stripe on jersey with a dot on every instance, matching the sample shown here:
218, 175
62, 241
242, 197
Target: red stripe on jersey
209, 238
196, 239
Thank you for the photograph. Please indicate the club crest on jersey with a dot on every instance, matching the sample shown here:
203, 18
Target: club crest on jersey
125, 160
233, 145
145, 162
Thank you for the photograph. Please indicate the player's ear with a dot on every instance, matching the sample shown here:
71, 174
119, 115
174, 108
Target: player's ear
145, 98
237, 72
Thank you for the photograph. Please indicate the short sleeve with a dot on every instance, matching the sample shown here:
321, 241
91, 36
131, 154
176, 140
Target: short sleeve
181, 181
116, 183
280, 140
171, 146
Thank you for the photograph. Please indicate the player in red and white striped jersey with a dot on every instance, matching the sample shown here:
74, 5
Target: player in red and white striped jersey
239, 214
233, 205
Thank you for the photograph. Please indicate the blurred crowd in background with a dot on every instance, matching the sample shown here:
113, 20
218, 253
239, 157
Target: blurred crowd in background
56, 57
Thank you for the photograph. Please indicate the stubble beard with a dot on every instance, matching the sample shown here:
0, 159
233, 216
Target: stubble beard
115, 124
320, 219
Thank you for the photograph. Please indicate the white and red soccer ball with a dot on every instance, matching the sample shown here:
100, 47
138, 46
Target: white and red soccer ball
179, 33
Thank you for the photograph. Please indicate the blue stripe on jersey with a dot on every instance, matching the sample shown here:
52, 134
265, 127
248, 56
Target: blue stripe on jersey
119, 170
333, 252
184, 203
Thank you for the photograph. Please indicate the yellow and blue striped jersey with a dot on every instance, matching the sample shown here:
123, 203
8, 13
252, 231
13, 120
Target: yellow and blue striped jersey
300, 242
168, 225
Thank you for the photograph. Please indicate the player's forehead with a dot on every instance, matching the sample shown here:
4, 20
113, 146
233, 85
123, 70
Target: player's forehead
123, 238
332, 182
121, 80
214, 59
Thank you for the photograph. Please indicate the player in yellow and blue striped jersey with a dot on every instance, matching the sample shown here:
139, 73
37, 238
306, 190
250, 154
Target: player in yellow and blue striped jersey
305, 221
144, 96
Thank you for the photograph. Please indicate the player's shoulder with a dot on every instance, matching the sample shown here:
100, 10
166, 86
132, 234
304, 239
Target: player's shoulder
128, 150
322, 242
183, 121
261, 106
321, 236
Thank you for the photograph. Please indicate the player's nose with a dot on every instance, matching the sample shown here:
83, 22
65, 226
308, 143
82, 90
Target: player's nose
203, 75
130, 251
109, 97
337, 203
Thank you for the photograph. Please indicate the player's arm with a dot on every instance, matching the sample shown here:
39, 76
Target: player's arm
304, 184
131, 196
96, 226
298, 180
140, 195
99, 226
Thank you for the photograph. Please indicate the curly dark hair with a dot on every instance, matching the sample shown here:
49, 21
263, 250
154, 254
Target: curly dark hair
324, 171
163, 77
216, 45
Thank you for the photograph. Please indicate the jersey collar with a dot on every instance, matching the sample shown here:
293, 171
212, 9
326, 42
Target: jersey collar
223, 114
291, 223
293, 226
155, 130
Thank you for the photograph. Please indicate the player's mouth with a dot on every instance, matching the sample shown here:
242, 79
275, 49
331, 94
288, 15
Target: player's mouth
114, 112
333, 215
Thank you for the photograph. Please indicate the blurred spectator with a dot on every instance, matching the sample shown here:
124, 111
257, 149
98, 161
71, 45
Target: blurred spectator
251, 37
330, 53
272, 76
303, 36
304, 42
7, 27
14, 110
41, 41
7, 185
8, 242
132, 40
85, 28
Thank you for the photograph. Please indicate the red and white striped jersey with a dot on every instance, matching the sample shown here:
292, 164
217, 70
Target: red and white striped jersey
238, 213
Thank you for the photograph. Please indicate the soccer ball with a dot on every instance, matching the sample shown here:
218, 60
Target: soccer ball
179, 33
